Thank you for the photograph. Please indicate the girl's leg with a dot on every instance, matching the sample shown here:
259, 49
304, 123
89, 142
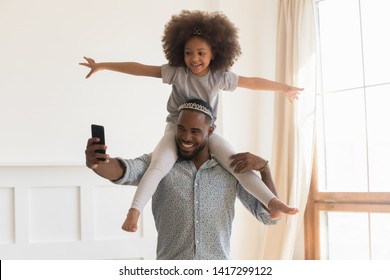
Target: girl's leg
164, 157
252, 183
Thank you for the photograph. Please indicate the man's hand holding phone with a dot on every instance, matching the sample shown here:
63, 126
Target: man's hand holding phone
95, 153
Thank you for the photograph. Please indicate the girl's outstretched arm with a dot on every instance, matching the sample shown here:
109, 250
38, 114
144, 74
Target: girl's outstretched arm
257, 83
131, 68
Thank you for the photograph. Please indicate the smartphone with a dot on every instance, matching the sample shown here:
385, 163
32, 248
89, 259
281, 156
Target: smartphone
98, 131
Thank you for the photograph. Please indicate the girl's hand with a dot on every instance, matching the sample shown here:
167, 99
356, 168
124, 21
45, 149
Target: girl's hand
292, 93
90, 64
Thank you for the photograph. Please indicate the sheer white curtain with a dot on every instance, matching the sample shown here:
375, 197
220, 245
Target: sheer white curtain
293, 143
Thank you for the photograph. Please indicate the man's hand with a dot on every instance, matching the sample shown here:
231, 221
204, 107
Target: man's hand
109, 168
90, 64
91, 157
244, 162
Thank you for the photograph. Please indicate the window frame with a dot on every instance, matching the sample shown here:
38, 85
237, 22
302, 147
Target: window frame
367, 202
318, 201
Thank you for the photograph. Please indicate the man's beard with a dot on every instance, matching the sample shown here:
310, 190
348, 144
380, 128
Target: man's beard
193, 154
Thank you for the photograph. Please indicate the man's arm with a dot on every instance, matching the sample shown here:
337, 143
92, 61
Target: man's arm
111, 169
244, 162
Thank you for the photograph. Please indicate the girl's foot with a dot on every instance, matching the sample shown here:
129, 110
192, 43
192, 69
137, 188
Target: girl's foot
130, 224
278, 209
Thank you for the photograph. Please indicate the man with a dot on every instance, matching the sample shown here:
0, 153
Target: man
193, 206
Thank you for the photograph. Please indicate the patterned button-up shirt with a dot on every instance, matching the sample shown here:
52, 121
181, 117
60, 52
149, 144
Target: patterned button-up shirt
194, 209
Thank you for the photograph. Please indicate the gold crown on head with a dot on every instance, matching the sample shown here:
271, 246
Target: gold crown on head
197, 107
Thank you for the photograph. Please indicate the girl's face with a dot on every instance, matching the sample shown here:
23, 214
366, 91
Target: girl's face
198, 55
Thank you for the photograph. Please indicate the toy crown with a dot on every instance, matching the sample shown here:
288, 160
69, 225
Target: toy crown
197, 107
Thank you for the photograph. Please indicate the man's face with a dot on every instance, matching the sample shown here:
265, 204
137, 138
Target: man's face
192, 134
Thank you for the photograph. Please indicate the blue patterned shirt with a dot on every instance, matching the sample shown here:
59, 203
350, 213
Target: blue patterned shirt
194, 209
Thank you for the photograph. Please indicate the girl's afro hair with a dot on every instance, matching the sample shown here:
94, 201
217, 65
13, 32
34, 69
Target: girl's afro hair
214, 27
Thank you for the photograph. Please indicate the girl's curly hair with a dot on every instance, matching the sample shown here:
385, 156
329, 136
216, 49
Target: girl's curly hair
214, 27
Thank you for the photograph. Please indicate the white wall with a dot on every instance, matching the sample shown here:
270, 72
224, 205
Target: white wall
48, 106
248, 115
47, 103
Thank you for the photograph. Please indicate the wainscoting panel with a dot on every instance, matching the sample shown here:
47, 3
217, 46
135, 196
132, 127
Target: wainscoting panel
54, 214
68, 212
109, 201
7, 216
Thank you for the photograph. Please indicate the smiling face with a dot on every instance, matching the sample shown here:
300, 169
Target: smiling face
192, 134
198, 55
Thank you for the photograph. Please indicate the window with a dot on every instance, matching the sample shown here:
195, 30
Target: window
348, 213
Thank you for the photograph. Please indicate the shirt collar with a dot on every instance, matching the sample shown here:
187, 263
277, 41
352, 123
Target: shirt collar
208, 164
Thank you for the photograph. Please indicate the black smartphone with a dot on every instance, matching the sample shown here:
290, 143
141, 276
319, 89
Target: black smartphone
98, 131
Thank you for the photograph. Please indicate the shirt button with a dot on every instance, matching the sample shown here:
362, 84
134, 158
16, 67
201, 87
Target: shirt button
196, 221
197, 241
196, 202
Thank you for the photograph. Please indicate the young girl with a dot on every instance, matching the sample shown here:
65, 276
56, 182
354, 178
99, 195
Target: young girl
200, 48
